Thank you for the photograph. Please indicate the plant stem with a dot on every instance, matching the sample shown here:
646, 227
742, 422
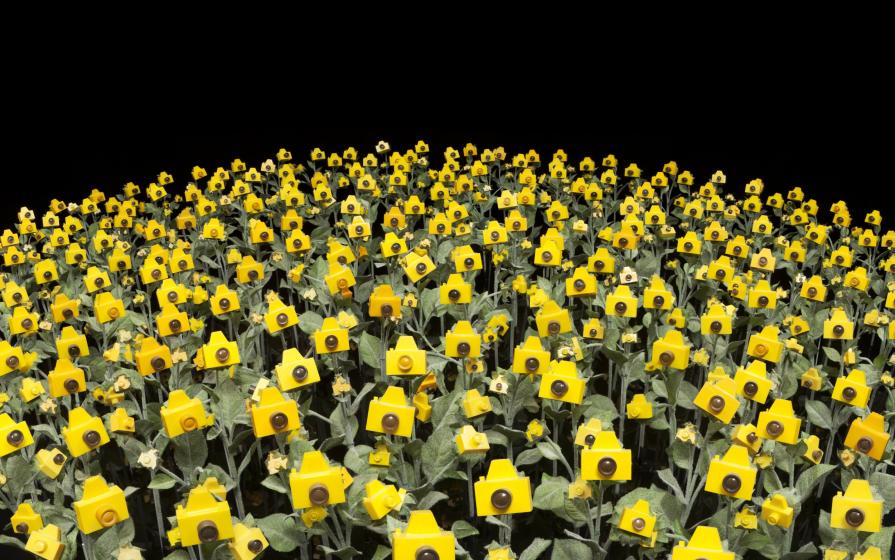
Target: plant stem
231, 467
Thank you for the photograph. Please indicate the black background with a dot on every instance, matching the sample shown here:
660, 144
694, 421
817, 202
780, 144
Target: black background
831, 158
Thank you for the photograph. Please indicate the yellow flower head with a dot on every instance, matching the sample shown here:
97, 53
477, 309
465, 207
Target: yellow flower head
313, 515
701, 357
847, 457
535, 430
276, 462
340, 386
687, 433
347, 320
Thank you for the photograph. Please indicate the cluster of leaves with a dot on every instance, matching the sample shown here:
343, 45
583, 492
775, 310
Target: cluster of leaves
672, 449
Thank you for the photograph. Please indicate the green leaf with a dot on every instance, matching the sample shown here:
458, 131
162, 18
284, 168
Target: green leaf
882, 539
647, 264
357, 458
106, 544
551, 495
370, 348
229, 404
161, 481
12, 541
811, 477
439, 453
819, 414
342, 553
884, 484
528, 457
600, 407
382, 552
832, 354
18, 473
570, 549
761, 543
463, 529
430, 499
310, 322
549, 450
190, 452
281, 532
429, 302
535, 549
274, 483
666, 476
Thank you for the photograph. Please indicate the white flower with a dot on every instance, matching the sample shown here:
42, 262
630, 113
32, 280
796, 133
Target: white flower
148, 459
129, 552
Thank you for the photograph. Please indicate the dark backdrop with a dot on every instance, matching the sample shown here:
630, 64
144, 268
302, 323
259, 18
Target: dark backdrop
829, 158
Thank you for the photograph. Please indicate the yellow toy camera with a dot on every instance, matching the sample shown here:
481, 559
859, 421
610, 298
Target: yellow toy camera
463, 342
621, 303
101, 506
716, 321
423, 539
502, 491
838, 327
295, 371
279, 316
671, 351
66, 379
247, 543
719, 399
561, 383
152, 357
182, 414
601, 262
733, 475
857, 509
605, 459
274, 414
637, 519
552, 320
868, 435
780, 423
380, 499
405, 358
530, 358
202, 520
391, 414
84, 432
852, 389
46, 543
704, 545
316, 483
766, 345
752, 382
13, 435
219, 352
416, 266
455, 291
475, 404
331, 337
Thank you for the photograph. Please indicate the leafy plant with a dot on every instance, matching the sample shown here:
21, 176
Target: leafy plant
384, 246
